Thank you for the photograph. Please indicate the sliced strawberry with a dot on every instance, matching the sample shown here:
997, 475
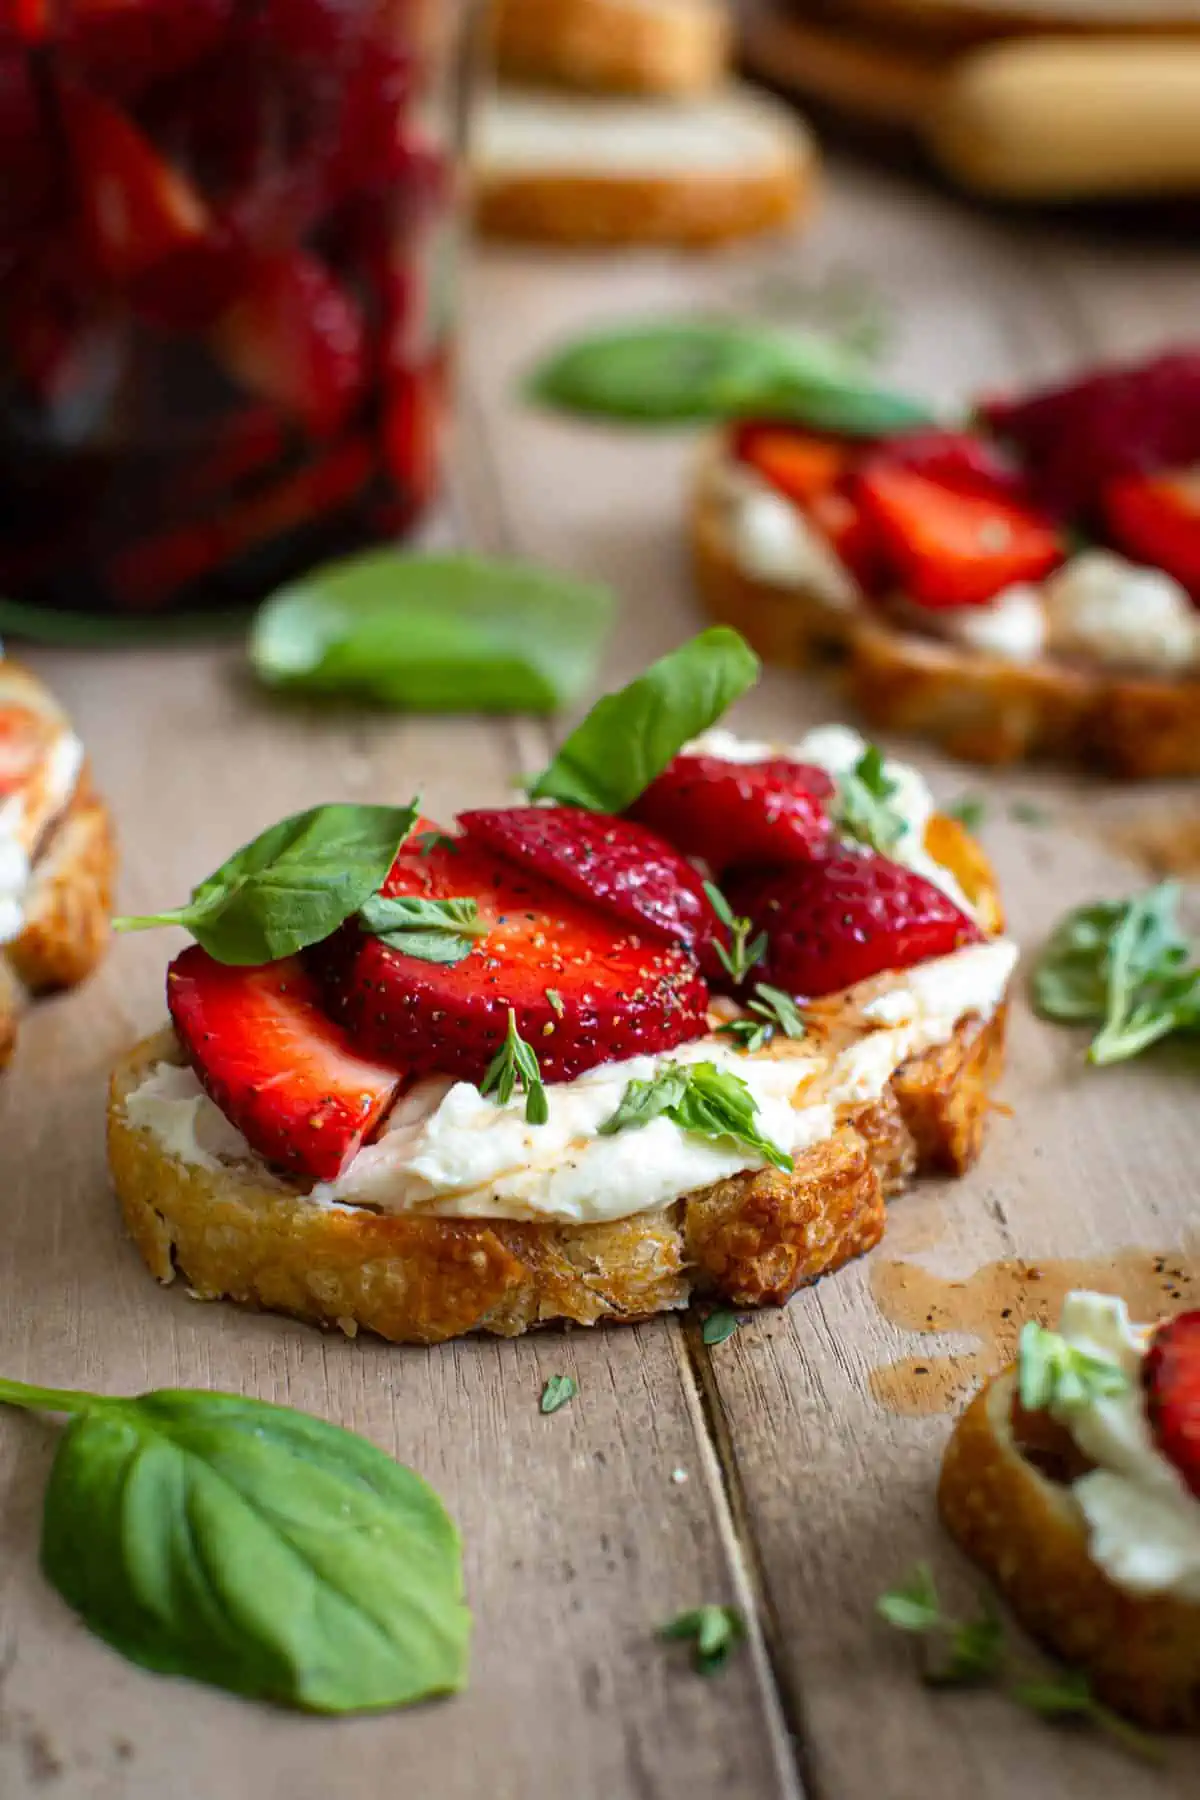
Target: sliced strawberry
800, 464
614, 865
953, 549
296, 337
124, 45
736, 813
957, 460
413, 418
844, 524
845, 917
137, 210
1171, 1375
584, 990
277, 1067
1156, 520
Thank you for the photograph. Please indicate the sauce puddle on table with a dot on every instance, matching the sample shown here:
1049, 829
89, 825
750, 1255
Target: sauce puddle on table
992, 1305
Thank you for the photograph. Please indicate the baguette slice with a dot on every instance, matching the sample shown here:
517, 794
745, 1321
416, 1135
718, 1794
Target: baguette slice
957, 22
671, 47
1141, 1653
592, 172
977, 707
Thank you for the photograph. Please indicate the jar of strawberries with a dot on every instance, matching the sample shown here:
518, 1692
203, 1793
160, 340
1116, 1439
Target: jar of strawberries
227, 233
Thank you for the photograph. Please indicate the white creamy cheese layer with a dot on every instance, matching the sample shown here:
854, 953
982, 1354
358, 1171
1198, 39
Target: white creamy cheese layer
448, 1151
773, 541
56, 784
1143, 1520
1113, 612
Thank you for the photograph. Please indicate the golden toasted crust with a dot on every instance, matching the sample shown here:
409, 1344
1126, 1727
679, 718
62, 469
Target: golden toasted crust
954, 22
1140, 1652
674, 47
975, 706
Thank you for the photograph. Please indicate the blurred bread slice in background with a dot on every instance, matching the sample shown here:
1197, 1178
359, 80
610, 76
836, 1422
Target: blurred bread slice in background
593, 171
619, 46
965, 21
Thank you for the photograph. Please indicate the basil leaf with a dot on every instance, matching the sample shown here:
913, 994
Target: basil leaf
863, 809
1052, 1372
689, 371
515, 1065
558, 1390
701, 1099
436, 931
252, 1547
434, 634
291, 886
643, 1101
629, 737
714, 1632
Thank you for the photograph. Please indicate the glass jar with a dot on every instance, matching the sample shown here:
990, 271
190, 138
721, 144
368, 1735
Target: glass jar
227, 237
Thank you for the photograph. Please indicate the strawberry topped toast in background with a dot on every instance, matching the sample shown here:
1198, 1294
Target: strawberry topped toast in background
678, 1025
1026, 585
57, 854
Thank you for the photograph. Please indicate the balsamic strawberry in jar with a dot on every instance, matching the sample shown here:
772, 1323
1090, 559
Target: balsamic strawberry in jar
226, 238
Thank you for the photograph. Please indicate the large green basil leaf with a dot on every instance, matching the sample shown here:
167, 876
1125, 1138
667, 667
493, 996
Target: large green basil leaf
629, 737
434, 634
254, 1548
291, 886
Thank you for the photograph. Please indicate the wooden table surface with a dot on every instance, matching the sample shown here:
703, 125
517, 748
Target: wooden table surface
782, 1470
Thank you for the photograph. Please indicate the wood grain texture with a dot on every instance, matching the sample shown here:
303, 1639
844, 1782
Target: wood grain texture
802, 1496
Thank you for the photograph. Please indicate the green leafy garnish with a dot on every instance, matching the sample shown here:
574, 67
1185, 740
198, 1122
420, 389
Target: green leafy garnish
713, 1631
555, 1001
515, 1065
1069, 1696
1053, 1372
770, 1011
436, 931
969, 809
1028, 812
718, 1327
251, 1547
693, 371
701, 1099
293, 885
558, 1390
629, 737
426, 842
434, 634
863, 809
1125, 965
743, 952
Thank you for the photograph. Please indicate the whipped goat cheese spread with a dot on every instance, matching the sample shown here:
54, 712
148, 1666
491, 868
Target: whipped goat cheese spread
1012, 626
1112, 611
773, 541
1143, 1520
21, 822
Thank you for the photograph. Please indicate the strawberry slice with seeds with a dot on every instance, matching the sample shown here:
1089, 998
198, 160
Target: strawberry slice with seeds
731, 814
612, 864
137, 210
1156, 520
799, 464
949, 548
1171, 1377
584, 990
277, 1067
954, 459
845, 917
297, 338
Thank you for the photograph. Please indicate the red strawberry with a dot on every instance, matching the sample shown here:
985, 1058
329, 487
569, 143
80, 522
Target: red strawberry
123, 45
614, 865
841, 520
296, 337
413, 419
845, 917
1171, 1375
279, 1070
614, 995
1156, 520
954, 459
800, 464
736, 813
136, 209
954, 549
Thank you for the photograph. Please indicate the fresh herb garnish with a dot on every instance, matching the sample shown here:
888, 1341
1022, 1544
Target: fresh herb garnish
293, 885
768, 1012
434, 634
555, 1001
251, 1547
969, 809
718, 1327
1125, 965
701, 1099
426, 842
1053, 1372
515, 1065
1069, 1696
863, 809
558, 1390
743, 952
629, 737
713, 1631
692, 371
436, 931
1028, 812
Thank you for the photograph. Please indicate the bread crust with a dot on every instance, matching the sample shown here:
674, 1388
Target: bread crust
954, 22
1141, 1653
978, 707
677, 47
239, 1232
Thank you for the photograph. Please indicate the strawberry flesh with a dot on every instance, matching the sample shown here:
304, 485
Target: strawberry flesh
957, 460
1171, 1377
277, 1067
297, 338
845, 917
615, 994
731, 814
799, 464
1155, 519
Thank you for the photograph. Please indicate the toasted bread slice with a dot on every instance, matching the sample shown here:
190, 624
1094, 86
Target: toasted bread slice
614, 46
976, 706
955, 22
1140, 1652
592, 172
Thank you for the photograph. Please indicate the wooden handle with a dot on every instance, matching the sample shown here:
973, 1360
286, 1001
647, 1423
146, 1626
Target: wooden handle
1064, 119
